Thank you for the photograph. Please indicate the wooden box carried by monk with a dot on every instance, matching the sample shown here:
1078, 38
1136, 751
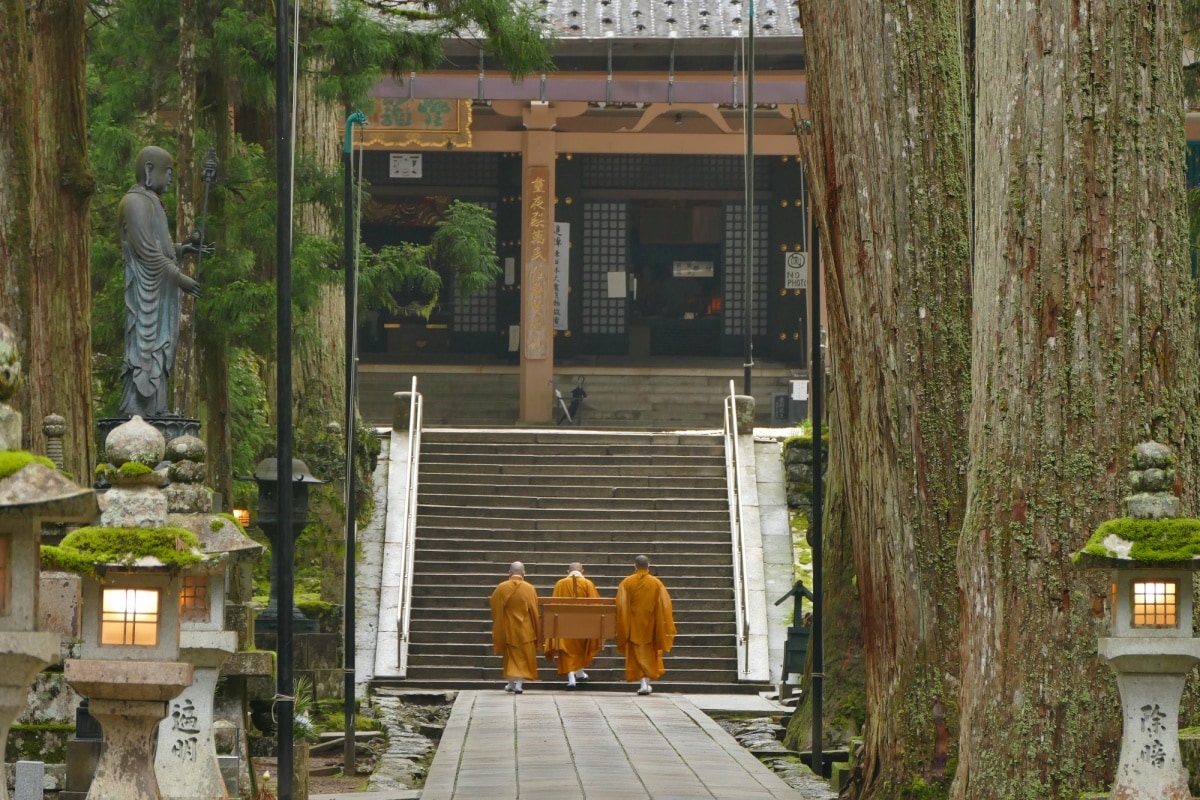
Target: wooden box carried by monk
578, 617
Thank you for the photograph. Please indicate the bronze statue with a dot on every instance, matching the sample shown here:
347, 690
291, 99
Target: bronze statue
154, 279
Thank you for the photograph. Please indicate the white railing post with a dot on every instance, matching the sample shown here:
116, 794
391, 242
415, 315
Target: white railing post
733, 472
404, 606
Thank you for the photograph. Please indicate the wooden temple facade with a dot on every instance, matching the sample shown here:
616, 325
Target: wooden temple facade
619, 188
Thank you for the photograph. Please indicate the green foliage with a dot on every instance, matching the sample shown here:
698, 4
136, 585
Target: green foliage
1154, 540
13, 461
85, 548
248, 412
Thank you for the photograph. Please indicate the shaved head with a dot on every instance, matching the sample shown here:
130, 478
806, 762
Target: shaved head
575, 566
641, 562
516, 568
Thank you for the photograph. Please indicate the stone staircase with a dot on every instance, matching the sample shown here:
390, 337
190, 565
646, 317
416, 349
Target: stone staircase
551, 496
664, 397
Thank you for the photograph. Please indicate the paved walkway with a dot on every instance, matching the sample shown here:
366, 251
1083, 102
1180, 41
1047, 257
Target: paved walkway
592, 746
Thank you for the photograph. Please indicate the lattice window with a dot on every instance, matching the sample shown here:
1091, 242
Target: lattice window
194, 602
129, 617
477, 314
1155, 604
605, 250
735, 270
726, 173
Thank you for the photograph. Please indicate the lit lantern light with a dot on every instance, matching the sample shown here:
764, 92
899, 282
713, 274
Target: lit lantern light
129, 617
1155, 604
242, 515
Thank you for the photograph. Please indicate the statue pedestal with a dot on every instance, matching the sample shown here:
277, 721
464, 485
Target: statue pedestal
22, 656
171, 426
128, 699
1150, 675
185, 763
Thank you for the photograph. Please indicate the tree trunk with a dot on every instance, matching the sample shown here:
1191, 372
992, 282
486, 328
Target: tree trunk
60, 352
17, 166
890, 193
844, 686
320, 352
218, 419
186, 376
1085, 343
319, 365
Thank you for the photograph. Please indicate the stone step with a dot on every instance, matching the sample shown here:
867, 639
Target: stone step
438, 436
485, 451
458, 596
543, 576
547, 565
475, 629
588, 471
604, 490
547, 562
494, 481
612, 678
563, 500
550, 681
561, 516
708, 525
582, 463
689, 622
481, 655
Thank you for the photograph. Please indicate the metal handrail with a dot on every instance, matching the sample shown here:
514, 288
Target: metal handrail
733, 474
404, 606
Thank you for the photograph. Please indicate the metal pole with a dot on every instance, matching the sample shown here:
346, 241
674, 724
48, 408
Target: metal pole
817, 380
284, 684
348, 234
748, 278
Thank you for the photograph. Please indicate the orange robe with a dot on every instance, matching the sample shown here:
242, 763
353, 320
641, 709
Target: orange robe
515, 627
645, 625
573, 654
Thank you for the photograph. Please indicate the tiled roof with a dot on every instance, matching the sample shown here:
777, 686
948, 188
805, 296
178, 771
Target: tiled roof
665, 19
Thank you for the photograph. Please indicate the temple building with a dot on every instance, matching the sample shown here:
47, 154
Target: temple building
619, 187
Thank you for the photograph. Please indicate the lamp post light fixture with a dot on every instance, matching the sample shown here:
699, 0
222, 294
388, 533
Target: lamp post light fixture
242, 515
267, 477
1151, 554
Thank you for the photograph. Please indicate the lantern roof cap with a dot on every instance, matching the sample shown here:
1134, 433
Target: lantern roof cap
44, 492
1130, 543
1153, 534
268, 470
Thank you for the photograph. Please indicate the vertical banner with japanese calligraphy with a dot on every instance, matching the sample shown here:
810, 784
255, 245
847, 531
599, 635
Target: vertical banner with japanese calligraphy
536, 252
562, 273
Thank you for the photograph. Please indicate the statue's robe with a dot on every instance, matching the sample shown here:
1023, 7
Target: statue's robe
515, 627
573, 654
645, 625
152, 303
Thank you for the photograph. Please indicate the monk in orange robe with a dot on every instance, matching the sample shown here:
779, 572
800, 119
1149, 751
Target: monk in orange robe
516, 627
574, 655
645, 625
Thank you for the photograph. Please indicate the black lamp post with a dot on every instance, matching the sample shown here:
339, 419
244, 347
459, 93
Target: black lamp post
266, 475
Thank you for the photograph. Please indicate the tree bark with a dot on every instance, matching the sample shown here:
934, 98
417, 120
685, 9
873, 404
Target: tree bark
60, 351
186, 379
887, 164
1084, 344
17, 166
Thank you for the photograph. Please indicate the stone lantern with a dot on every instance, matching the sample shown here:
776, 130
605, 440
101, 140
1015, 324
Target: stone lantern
1151, 555
31, 492
267, 477
132, 572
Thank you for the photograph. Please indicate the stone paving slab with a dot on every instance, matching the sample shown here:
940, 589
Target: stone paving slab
592, 746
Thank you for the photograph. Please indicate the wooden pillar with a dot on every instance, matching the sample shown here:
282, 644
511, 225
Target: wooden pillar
537, 263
